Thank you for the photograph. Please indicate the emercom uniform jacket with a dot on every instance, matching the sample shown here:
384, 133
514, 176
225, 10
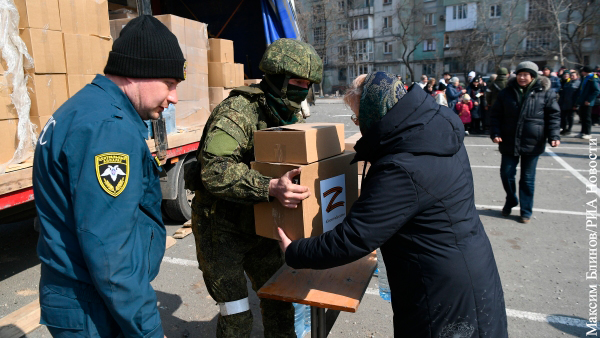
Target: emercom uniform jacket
98, 197
417, 204
525, 126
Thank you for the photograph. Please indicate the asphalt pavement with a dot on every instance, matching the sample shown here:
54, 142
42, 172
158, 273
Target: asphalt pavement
542, 264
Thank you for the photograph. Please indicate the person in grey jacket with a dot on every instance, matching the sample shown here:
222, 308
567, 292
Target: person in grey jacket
566, 103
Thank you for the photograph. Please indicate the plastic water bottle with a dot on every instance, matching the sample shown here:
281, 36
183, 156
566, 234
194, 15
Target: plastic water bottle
384, 286
299, 325
307, 323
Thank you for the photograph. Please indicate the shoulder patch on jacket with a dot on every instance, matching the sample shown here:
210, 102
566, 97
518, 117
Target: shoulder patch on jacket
221, 144
112, 171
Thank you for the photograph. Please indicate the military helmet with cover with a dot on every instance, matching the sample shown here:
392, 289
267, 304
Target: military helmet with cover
294, 58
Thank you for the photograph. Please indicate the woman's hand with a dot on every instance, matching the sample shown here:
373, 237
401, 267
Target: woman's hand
285, 241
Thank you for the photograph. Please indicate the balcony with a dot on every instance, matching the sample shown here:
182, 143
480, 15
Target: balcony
361, 11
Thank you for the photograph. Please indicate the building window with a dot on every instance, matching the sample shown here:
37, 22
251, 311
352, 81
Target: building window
459, 12
430, 19
319, 35
429, 69
360, 23
364, 50
387, 2
318, 13
537, 40
535, 10
495, 11
341, 6
387, 48
359, 69
586, 59
446, 41
342, 74
496, 39
342, 26
429, 45
387, 22
342, 51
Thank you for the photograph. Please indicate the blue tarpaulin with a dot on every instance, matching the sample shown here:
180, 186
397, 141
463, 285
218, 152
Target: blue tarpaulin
278, 22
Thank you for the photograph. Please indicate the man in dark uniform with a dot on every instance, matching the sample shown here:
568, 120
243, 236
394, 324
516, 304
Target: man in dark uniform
226, 189
97, 193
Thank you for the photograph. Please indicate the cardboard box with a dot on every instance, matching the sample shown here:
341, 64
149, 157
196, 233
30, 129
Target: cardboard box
191, 113
97, 22
220, 50
127, 14
40, 122
75, 82
7, 109
193, 88
74, 16
118, 26
78, 53
41, 14
248, 82
196, 34
8, 139
217, 94
333, 186
221, 74
101, 47
239, 74
300, 143
48, 92
46, 48
176, 25
197, 60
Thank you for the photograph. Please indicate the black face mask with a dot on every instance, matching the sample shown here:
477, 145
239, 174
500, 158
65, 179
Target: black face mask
284, 102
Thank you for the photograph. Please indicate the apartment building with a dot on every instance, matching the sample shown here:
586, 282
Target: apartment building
436, 36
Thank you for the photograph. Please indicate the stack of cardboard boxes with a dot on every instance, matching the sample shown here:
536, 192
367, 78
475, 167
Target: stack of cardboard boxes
223, 73
69, 41
192, 110
319, 149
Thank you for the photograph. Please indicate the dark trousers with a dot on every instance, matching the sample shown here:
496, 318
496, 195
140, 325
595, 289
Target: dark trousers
476, 125
566, 119
508, 171
585, 115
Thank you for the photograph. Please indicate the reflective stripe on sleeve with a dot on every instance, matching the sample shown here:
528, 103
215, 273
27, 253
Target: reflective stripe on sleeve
237, 306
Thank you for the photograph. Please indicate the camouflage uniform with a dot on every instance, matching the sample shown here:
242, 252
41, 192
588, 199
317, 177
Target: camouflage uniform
223, 214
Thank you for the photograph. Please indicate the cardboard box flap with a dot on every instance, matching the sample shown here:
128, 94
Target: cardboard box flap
300, 143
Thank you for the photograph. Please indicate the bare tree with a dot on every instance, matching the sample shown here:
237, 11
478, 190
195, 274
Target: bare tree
505, 32
410, 33
319, 20
580, 18
471, 47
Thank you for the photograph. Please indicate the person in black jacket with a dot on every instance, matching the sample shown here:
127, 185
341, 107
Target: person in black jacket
417, 204
585, 98
477, 93
524, 116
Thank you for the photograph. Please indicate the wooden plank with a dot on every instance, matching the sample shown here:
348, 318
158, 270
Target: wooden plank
170, 242
340, 288
180, 139
22, 321
182, 232
14, 167
16, 180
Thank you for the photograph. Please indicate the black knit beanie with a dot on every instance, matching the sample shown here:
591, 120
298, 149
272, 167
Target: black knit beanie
146, 49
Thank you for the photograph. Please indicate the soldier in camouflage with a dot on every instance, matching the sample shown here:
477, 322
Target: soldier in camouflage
226, 189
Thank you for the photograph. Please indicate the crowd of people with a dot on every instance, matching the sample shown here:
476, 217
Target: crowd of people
473, 102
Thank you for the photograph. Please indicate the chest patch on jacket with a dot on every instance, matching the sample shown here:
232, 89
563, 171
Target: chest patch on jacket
112, 170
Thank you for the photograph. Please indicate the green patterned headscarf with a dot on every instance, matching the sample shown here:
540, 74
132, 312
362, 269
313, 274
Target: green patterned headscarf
381, 92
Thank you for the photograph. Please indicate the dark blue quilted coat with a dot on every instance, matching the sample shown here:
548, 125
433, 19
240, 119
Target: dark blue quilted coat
417, 204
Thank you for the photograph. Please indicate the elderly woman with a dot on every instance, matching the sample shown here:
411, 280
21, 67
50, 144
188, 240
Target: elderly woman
417, 204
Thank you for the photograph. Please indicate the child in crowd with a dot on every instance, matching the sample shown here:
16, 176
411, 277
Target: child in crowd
463, 109
440, 95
